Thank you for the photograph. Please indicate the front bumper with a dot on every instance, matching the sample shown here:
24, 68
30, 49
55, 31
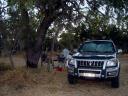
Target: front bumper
94, 73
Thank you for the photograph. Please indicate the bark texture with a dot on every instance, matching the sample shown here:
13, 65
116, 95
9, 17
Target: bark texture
33, 54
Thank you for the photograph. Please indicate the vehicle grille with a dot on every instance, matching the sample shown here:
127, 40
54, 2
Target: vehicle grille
90, 64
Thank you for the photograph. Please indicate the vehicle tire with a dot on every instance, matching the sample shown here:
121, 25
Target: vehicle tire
115, 82
72, 79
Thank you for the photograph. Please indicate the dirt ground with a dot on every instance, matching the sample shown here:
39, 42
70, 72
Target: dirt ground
55, 84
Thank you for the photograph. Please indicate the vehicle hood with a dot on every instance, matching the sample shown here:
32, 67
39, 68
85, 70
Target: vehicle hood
94, 55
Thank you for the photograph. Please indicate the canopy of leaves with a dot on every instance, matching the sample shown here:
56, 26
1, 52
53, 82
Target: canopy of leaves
79, 18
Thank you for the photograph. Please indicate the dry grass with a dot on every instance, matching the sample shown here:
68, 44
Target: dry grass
14, 77
24, 77
5, 67
38, 82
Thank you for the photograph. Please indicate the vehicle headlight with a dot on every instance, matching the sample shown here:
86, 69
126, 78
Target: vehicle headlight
112, 63
72, 61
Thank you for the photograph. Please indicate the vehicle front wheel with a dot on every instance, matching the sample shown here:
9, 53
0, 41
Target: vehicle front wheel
72, 79
115, 82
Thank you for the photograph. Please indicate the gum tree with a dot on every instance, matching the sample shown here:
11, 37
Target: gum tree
49, 11
52, 10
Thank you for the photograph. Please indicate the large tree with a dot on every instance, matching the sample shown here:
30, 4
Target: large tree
50, 10
61, 11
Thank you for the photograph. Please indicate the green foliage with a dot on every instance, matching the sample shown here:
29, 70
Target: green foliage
68, 14
68, 40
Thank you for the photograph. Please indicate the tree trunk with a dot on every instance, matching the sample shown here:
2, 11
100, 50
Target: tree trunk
33, 54
11, 61
33, 49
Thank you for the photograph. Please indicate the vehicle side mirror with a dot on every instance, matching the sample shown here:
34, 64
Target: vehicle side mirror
120, 51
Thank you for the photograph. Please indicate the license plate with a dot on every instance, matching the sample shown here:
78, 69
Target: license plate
89, 75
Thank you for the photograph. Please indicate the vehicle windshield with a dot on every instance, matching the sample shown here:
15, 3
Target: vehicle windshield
97, 46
